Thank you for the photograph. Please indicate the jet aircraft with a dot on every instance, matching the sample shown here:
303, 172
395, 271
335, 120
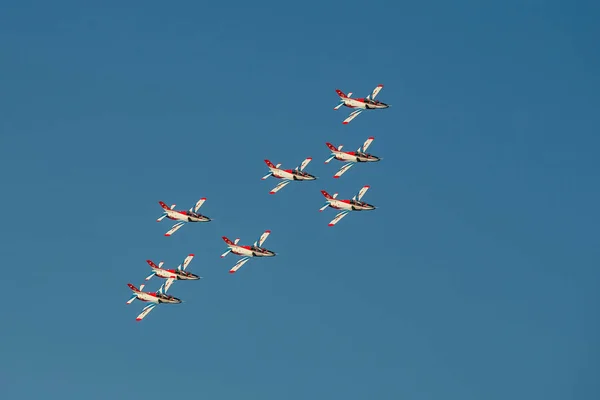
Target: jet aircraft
354, 204
154, 298
182, 216
351, 156
361, 104
256, 250
172, 275
288, 175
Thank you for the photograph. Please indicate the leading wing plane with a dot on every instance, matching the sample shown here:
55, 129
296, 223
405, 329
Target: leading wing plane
361, 193
366, 145
199, 204
376, 91
305, 163
186, 262
263, 237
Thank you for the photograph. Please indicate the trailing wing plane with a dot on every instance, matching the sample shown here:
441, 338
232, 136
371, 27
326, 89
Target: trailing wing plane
346, 206
247, 252
288, 175
351, 157
182, 217
154, 298
172, 275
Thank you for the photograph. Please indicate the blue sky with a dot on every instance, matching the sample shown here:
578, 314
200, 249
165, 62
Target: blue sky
475, 278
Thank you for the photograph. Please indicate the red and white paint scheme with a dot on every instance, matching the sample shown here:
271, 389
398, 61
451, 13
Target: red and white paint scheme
172, 275
182, 216
354, 204
154, 298
361, 104
352, 157
288, 175
256, 250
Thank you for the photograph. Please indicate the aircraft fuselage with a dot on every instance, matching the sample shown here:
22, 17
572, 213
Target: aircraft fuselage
291, 174
363, 103
174, 274
350, 205
251, 251
355, 156
182, 216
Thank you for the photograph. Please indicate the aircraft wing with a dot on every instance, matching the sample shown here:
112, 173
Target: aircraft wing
174, 228
145, 311
367, 143
280, 186
239, 265
376, 91
187, 261
352, 115
305, 163
199, 204
345, 168
168, 283
362, 192
263, 237
338, 218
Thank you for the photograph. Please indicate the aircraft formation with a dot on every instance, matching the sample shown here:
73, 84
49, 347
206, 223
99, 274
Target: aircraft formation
246, 252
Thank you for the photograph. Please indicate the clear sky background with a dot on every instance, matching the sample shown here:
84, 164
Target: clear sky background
476, 277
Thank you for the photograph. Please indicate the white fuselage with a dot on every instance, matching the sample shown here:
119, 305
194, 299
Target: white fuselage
147, 297
342, 205
343, 156
283, 174
243, 251
177, 216
163, 273
174, 215
352, 103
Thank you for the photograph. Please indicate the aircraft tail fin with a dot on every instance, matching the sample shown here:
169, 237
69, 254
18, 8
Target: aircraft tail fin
340, 93
331, 147
229, 242
164, 206
270, 164
152, 264
327, 195
132, 287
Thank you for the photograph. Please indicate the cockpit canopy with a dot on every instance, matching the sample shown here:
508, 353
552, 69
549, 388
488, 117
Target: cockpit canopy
358, 203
